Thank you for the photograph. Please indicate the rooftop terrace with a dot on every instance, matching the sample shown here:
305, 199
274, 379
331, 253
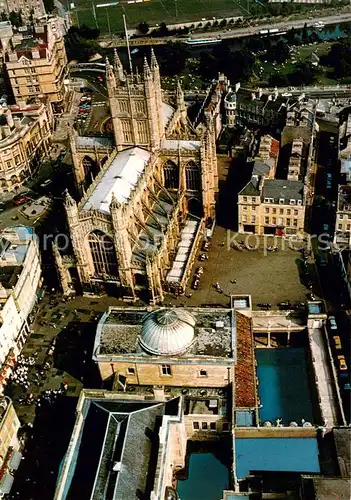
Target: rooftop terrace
119, 330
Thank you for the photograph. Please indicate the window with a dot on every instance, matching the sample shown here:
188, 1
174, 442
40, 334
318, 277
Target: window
267, 210
348, 227
339, 226
253, 219
292, 202
244, 208
244, 218
245, 199
225, 427
170, 172
166, 370
281, 211
296, 212
131, 371
274, 210
299, 202
281, 201
213, 426
103, 254
192, 177
203, 373
204, 426
266, 220
274, 220
288, 211
196, 426
253, 208
288, 221
280, 221
295, 222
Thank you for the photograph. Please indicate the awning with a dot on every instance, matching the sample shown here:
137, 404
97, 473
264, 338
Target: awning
15, 460
6, 483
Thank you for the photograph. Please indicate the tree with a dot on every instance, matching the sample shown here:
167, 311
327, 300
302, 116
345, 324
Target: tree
172, 58
49, 5
15, 19
143, 28
304, 74
280, 52
305, 33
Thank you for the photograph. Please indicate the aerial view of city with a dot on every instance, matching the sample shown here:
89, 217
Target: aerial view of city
175, 250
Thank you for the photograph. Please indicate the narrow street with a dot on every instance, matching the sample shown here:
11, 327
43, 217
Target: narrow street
332, 284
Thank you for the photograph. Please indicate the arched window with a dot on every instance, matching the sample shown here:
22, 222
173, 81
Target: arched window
192, 176
171, 175
103, 254
91, 168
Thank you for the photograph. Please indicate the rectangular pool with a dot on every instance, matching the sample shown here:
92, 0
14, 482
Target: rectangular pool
207, 478
276, 454
283, 385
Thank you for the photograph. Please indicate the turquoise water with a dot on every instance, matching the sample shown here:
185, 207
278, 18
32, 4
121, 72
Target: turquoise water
207, 478
283, 385
276, 454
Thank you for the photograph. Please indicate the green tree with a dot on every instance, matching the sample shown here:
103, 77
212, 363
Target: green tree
15, 19
49, 5
143, 28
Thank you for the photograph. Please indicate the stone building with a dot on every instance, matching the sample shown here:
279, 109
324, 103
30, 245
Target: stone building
29, 9
245, 106
267, 205
342, 236
25, 138
36, 64
10, 456
145, 195
20, 274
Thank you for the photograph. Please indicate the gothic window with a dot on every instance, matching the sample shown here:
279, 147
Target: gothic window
171, 175
103, 254
139, 107
192, 176
91, 168
127, 131
142, 132
123, 106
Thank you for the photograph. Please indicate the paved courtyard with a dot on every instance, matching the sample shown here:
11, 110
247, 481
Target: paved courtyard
267, 276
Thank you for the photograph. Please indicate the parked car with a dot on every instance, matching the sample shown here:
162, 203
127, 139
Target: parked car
332, 323
342, 363
20, 199
337, 342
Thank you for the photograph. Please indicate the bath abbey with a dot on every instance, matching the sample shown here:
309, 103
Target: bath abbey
145, 195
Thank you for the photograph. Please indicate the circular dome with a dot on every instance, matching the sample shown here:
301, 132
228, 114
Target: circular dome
167, 331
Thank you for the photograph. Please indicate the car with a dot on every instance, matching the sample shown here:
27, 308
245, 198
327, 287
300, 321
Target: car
342, 363
332, 323
20, 199
337, 342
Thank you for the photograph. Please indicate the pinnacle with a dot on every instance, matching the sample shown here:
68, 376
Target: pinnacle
154, 63
69, 201
146, 68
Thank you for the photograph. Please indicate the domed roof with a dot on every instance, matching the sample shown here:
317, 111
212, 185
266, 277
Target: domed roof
167, 331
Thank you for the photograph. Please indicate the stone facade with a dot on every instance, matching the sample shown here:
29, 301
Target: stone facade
342, 236
9, 426
168, 180
37, 64
27, 8
25, 138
